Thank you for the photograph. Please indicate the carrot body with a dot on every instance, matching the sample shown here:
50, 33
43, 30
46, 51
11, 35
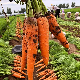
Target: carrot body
24, 53
18, 75
55, 29
32, 45
39, 62
41, 68
39, 65
44, 72
43, 29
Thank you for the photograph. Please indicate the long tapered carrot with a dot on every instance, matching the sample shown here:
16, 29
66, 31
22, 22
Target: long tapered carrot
15, 61
47, 74
43, 29
52, 76
55, 29
44, 72
32, 45
16, 74
41, 68
39, 62
39, 65
24, 53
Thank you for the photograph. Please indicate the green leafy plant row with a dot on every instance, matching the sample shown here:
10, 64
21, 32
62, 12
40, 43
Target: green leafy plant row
68, 23
4, 23
10, 31
73, 10
64, 65
6, 57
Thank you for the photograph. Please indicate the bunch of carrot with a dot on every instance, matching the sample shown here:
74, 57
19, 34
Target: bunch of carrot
34, 30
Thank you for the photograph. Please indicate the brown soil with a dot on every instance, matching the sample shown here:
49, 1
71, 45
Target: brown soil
15, 41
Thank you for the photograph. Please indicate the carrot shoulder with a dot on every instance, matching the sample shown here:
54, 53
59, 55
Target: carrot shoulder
43, 31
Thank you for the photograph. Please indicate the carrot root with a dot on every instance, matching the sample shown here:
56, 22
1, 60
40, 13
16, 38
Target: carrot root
41, 68
39, 62
39, 65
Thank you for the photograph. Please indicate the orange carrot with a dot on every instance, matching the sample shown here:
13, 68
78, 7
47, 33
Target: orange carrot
47, 74
32, 44
53, 76
43, 72
41, 68
16, 74
24, 53
43, 29
39, 62
39, 65
15, 61
56, 31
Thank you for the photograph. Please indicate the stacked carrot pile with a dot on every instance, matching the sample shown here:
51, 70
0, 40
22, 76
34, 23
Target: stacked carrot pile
19, 26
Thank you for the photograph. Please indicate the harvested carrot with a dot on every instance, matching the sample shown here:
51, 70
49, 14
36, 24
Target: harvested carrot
18, 75
15, 61
41, 68
47, 74
39, 62
43, 31
53, 75
32, 45
24, 53
39, 65
44, 72
55, 29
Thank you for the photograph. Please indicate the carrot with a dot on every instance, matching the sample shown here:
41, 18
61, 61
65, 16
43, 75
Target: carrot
44, 72
39, 65
47, 74
43, 29
16, 74
55, 29
24, 53
41, 68
39, 62
32, 44
52, 76
15, 61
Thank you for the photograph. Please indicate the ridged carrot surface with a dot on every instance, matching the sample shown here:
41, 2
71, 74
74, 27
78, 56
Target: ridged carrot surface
24, 49
32, 45
43, 31
55, 29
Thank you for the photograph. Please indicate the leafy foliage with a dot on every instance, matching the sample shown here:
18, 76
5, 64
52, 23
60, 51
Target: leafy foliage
66, 67
4, 23
6, 57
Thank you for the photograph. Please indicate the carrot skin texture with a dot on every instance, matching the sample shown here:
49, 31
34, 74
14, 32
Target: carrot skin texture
32, 45
56, 31
43, 31
24, 50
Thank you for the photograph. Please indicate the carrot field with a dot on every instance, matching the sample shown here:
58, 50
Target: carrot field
59, 57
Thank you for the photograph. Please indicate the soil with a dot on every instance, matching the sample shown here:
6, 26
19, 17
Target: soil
15, 41
18, 41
